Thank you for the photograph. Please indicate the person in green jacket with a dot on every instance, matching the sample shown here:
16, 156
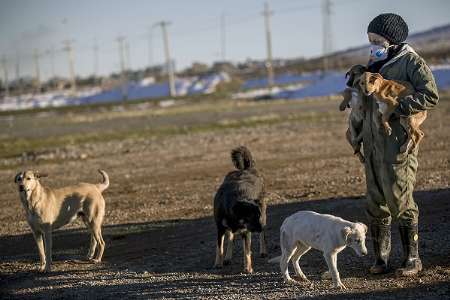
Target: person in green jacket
391, 174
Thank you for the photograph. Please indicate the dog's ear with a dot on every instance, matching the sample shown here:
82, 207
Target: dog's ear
378, 78
354, 73
375, 78
351, 78
364, 226
377, 75
345, 232
347, 94
39, 175
18, 175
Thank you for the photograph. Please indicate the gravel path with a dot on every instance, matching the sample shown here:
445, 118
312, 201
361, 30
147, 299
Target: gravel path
159, 231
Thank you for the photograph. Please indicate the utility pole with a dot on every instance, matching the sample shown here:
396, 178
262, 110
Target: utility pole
51, 53
123, 77
150, 47
172, 90
120, 41
95, 49
269, 63
5, 75
69, 49
222, 37
127, 56
52, 61
18, 83
17, 66
37, 70
326, 28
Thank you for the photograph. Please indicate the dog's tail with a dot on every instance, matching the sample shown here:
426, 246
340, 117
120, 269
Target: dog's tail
275, 260
242, 158
105, 184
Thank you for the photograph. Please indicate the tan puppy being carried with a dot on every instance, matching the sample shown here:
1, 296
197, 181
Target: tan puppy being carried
387, 93
48, 209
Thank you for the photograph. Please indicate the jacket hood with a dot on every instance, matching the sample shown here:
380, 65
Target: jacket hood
403, 51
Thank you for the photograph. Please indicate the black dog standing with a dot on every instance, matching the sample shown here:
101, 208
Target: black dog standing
239, 207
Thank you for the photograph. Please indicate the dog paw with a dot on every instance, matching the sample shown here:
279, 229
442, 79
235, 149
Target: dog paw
96, 260
326, 275
361, 158
291, 281
42, 269
248, 271
388, 131
304, 280
339, 286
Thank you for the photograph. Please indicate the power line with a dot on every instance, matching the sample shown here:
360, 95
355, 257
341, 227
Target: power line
296, 9
225, 22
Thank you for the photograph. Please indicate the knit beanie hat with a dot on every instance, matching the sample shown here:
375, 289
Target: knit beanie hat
390, 26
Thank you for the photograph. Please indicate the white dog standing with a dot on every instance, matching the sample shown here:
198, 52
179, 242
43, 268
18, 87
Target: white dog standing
48, 209
307, 229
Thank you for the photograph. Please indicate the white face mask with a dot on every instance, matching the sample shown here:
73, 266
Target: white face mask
378, 53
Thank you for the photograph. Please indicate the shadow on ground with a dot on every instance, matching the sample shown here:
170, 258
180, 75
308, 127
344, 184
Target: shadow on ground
161, 250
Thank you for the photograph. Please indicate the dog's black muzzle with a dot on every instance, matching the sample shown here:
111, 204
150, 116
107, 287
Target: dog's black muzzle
21, 188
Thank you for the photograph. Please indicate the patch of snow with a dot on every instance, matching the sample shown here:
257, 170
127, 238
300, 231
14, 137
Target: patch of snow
145, 89
166, 103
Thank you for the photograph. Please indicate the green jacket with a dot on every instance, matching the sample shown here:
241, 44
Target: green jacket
407, 65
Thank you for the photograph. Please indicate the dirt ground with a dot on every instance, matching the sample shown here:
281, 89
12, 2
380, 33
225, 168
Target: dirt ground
165, 165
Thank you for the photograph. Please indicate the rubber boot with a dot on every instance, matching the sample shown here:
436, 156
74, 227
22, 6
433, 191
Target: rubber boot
410, 240
381, 239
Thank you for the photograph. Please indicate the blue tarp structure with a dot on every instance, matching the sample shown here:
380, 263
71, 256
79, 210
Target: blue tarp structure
325, 84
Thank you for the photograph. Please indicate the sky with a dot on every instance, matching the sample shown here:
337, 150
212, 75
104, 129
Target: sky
194, 31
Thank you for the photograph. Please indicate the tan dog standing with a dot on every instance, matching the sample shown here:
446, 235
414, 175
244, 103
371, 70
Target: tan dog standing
48, 209
387, 94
